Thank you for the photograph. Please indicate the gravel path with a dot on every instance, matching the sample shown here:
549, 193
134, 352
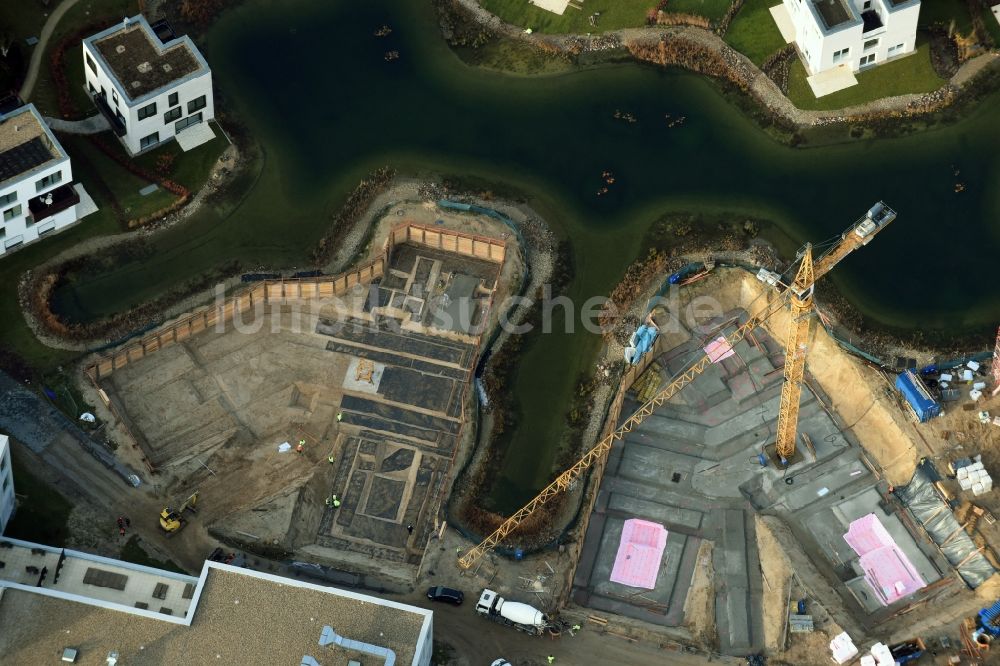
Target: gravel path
96, 124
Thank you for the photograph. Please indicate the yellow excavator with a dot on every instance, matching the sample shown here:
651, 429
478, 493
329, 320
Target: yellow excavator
173, 521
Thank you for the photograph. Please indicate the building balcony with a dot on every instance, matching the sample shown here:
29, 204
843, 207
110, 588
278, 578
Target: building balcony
117, 126
872, 21
51, 203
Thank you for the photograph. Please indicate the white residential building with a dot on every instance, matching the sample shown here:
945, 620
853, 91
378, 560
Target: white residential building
6, 484
150, 84
854, 33
37, 195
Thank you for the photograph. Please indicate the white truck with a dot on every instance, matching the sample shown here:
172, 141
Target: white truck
520, 616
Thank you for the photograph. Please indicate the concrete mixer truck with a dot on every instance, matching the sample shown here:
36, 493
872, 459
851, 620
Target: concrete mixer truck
520, 616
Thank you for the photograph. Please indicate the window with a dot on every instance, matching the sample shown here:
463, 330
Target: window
93, 90
870, 44
147, 141
868, 59
8, 198
172, 100
172, 115
893, 50
868, 4
11, 213
48, 181
90, 62
196, 104
6, 480
147, 111
114, 96
840, 55
121, 118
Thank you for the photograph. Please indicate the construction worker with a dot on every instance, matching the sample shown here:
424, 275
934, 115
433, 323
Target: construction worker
330, 459
551, 658
340, 417
575, 629
336, 502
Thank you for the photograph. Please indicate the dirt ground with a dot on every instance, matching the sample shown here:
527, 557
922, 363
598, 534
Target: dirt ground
777, 581
699, 609
210, 413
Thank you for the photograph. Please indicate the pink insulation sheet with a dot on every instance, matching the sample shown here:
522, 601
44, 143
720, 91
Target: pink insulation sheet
639, 553
719, 349
887, 569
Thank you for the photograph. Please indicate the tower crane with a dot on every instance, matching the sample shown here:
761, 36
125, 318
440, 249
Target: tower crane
799, 293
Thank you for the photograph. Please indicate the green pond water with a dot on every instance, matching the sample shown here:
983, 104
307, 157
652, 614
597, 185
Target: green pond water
309, 80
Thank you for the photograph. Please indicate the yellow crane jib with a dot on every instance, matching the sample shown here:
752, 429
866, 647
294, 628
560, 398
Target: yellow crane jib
799, 294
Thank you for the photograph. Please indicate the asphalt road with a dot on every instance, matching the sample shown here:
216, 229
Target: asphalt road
476, 641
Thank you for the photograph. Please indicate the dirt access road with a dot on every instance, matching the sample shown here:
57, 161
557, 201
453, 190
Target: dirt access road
475, 641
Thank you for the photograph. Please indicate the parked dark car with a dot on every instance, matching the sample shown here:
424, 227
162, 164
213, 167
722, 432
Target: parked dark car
446, 594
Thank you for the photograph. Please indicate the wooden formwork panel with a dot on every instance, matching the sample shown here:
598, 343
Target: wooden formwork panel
120, 360
273, 292
229, 309
197, 324
326, 289
105, 368
464, 245
182, 333
497, 252
151, 345
167, 338
308, 290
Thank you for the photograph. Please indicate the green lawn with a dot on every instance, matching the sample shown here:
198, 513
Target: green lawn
123, 185
753, 32
713, 10
912, 74
22, 19
943, 12
42, 513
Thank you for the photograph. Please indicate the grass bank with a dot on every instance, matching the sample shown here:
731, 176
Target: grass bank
910, 75
42, 513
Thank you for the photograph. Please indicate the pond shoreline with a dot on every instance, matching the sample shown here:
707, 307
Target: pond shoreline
701, 51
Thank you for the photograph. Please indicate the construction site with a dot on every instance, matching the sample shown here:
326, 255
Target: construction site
756, 489
747, 502
318, 418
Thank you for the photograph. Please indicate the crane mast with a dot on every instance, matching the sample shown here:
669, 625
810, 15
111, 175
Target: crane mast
800, 296
801, 303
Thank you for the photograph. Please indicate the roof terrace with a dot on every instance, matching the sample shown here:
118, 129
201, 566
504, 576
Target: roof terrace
141, 62
96, 578
833, 12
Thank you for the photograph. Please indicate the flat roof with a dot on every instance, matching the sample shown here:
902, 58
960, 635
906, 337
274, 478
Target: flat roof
100, 579
140, 62
237, 617
25, 143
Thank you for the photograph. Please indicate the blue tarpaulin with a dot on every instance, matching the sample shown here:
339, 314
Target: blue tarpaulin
642, 341
916, 394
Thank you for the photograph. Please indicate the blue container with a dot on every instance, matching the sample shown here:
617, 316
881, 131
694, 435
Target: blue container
917, 395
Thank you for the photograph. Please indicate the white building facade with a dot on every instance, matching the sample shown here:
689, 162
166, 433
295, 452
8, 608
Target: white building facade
37, 195
6, 484
854, 33
150, 84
